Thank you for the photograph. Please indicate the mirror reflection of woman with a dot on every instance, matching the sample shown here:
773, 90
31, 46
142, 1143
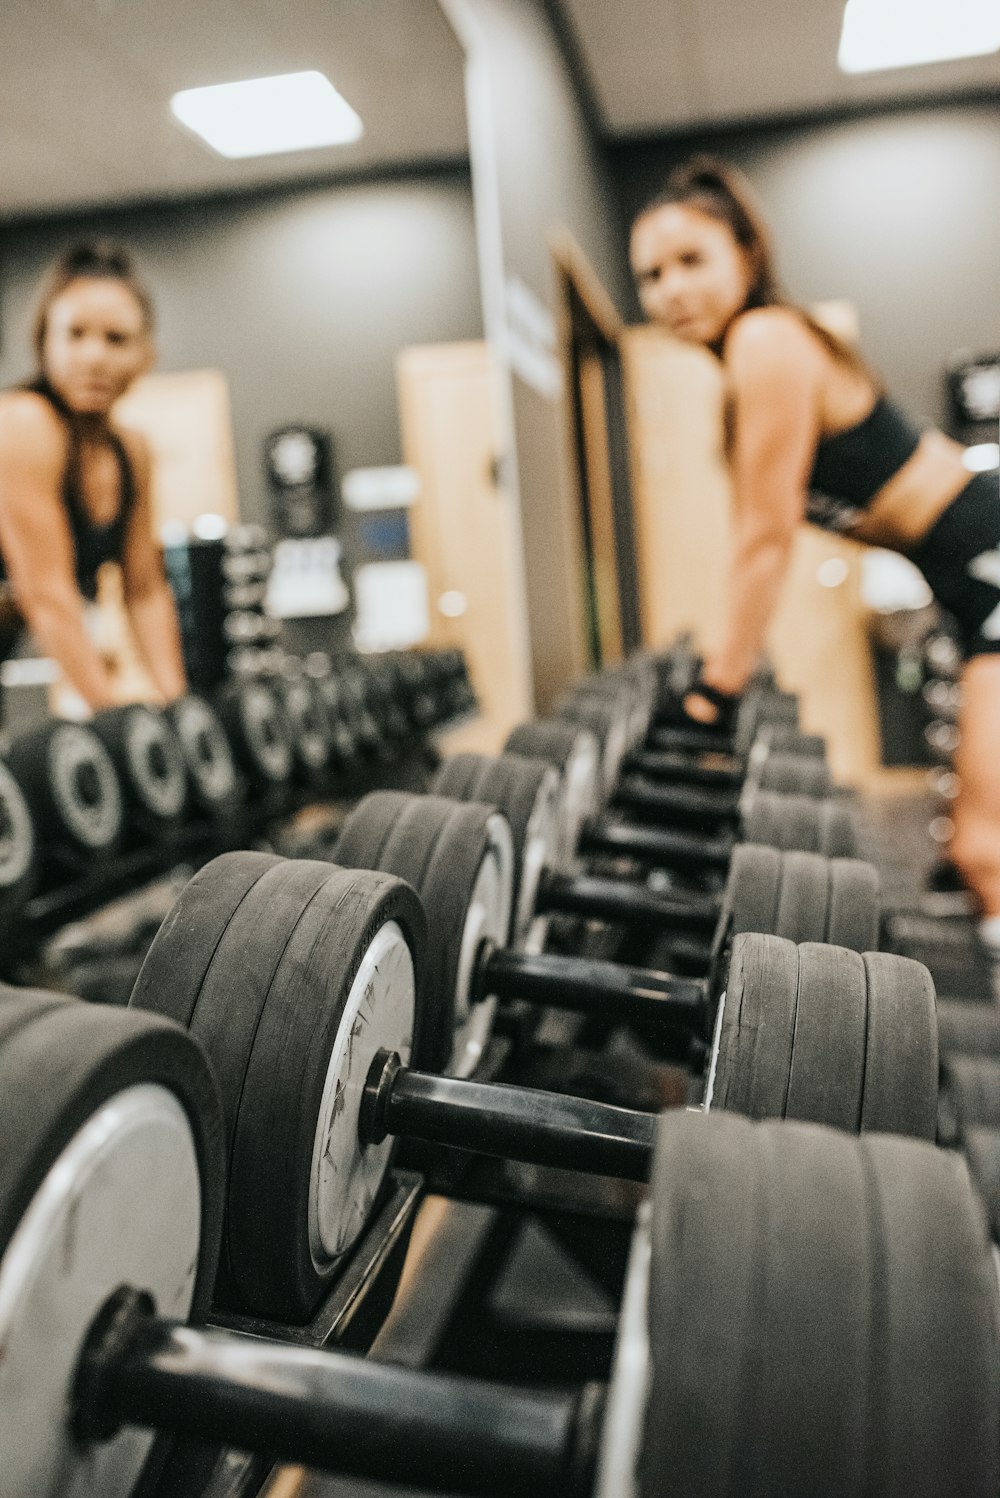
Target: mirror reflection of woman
813, 436
75, 485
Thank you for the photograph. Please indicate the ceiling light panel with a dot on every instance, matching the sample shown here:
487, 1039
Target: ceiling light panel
264, 116
880, 34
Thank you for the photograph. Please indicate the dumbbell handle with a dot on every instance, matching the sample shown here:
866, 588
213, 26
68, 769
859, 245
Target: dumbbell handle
607, 989
686, 803
681, 769
512, 1123
331, 1410
627, 904
656, 845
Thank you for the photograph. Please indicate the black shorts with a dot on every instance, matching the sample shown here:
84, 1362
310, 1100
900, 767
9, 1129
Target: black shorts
960, 558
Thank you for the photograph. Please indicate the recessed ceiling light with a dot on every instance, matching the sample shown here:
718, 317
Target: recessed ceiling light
881, 34
261, 116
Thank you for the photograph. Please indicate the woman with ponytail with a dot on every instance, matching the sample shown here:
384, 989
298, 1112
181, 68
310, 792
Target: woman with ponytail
74, 486
813, 436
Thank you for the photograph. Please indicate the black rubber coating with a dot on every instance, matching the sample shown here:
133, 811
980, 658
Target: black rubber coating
838, 835
436, 845
259, 733
788, 822
758, 1027
973, 1084
510, 782
752, 888
151, 768
94, 786
982, 1150
203, 743
854, 915
551, 741
823, 1318
968, 1029
804, 899
901, 1060
174, 969
795, 775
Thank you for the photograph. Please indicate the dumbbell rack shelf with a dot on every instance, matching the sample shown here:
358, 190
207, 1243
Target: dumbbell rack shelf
348, 1319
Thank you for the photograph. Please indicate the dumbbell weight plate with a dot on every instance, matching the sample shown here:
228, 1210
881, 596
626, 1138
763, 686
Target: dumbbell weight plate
798, 1281
823, 1034
147, 757
17, 839
526, 791
205, 747
258, 731
803, 897
310, 733
609, 722
459, 857
799, 823
793, 775
312, 973
575, 753
973, 1085
70, 784
968, 1029
111, 1173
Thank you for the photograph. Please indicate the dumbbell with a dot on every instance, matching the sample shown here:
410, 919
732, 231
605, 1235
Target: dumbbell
311, 734
784, 1283
789, 822
873, 1014
151, 768
259, 733
213, 781
802, 896
72, 790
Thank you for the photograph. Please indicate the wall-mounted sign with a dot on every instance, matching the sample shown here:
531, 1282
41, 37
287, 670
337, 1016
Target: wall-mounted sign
974, 388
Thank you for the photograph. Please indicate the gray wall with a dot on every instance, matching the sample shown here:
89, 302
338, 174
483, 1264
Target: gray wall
302, 298
899, 214
547, 171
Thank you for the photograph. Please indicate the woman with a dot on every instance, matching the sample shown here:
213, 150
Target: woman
812, 436
74, 486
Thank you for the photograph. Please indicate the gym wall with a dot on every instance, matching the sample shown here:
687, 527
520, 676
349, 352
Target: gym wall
897, 212
302, 298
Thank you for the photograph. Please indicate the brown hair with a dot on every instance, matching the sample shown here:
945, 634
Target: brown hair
91, 262
724, 194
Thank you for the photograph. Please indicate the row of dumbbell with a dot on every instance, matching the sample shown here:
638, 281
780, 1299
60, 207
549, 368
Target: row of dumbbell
73, 792
785, 1281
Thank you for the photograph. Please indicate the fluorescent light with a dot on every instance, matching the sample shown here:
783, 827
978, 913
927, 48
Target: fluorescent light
904, 33
982, 458
261, 116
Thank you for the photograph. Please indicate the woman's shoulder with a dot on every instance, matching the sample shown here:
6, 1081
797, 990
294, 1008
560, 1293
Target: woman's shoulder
29, 424
771, 332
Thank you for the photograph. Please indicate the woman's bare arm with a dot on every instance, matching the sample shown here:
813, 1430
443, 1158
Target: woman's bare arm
148, 599
775, 373
38, 546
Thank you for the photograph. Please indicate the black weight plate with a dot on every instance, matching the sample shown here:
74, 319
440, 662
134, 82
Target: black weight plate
827, 1076
17, 841
258, 731
758, 1027
937, 1351
760, 1300
514, 785
174, 969
982, 1150
968, 1029
203, 743
794, 776
783, 738
804, 898
286, 1075
310, 731
901, 1058
438, 846
147, 757
838, 836
752, 888
795, 821
552, 741
855, 913
973, 1084
71, 786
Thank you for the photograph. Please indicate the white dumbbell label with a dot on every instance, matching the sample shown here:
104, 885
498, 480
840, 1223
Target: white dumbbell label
378, 1016
120, 1206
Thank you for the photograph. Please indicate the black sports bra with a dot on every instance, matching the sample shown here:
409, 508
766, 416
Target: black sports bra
850, 467
93, 544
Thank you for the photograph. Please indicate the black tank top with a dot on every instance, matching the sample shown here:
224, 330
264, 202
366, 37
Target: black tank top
93, 544
850, 467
